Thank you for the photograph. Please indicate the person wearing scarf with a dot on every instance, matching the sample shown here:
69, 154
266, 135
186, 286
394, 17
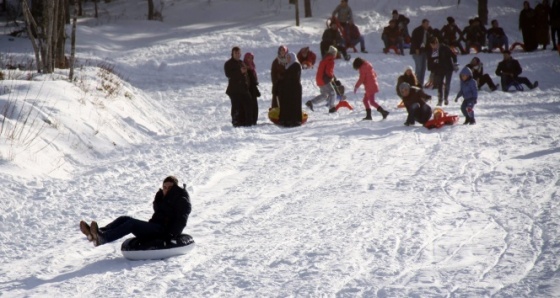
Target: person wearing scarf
290, 93
277, 73
248, 59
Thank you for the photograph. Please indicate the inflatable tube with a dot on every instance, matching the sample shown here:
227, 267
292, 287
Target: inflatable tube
136, 249
274, 116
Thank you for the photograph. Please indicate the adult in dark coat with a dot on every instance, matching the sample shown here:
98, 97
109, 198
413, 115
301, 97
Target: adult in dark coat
290, 91
331, 37
242, 113
509, 70
407, 77
442, 62
393, 36
248, 59
277, 70
419, 46
481, 78
555, 23
451, 35
414, 100
527, 25
542, 14
172, 207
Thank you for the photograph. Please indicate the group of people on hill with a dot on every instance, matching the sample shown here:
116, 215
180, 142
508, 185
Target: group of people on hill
432, 50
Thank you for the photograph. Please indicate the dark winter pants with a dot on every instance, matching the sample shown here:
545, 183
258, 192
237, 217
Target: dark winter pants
555, 33
399, 43
486, 79
467, 108
242, 109
417, 113
125, 225
508, 81
438, 81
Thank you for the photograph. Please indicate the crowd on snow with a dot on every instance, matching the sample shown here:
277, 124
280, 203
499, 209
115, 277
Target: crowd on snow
432, 49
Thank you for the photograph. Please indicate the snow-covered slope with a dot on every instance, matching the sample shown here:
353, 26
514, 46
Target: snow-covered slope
337, 207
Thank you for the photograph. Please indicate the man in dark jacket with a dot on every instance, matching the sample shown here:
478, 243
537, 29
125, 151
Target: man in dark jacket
418, 48
441, 62
497, 37
331, 37
451, 35
172, 207
242, 113
402, 23
509, 70
414, 99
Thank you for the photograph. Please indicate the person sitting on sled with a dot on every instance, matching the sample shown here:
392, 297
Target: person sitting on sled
306, 58
509, 70
325, 79
469, 92
172, 207
368, 78
414, 100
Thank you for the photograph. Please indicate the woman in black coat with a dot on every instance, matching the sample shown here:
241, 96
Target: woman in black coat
290, 92
528, 27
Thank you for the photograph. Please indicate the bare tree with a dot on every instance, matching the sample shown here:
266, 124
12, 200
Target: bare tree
483, 11
150, 9
307, 8
46, 30
73, 40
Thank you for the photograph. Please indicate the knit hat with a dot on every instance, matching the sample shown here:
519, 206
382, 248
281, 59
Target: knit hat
404, 86
409, 67
332, 51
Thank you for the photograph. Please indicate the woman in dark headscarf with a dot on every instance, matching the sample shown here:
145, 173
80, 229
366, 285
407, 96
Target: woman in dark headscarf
277, 73
248, 59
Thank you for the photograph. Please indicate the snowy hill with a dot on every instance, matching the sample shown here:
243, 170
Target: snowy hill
337, 207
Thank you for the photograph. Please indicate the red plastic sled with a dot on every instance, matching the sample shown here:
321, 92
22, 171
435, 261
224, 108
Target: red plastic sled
441, 118
344, 104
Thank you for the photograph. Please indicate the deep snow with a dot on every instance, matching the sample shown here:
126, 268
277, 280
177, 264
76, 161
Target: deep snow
337, 207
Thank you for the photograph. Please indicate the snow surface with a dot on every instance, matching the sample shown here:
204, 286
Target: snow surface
338, 207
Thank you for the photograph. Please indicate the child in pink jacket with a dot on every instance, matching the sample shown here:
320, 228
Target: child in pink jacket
368, 78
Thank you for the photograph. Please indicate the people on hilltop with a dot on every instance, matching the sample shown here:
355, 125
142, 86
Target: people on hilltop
242, 113
555, 24
481, 78
306, 58
542, 14
277, 70
368, 78
331, 37
419, 46
527, 25
355, 37
469, 91
290, 93
414, 100
509, 70
248, 59
441, 62
393, 36
324, 79
402, 23
171, 206
451, 35
497, 37
474, 35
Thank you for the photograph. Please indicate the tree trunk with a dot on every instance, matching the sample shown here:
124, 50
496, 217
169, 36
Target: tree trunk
96, 10
59, 50
307, 8
73, 40
150, 9
483, 11
297, 13
32, 27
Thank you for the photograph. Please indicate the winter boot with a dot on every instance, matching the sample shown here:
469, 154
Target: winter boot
97, 238
383, 112
472, 121
84, 227
439, 102
467, 120
332, 110
368, 114
535, 85
309, 104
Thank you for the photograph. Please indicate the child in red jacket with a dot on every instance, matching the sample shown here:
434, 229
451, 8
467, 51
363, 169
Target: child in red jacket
368, 78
